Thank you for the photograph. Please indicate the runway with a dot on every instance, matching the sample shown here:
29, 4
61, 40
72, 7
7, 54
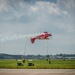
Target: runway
37, 71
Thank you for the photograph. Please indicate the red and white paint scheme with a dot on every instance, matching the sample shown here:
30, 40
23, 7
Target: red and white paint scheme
42, 36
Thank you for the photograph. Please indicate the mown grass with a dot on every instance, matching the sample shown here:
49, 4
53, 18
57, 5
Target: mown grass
39, 64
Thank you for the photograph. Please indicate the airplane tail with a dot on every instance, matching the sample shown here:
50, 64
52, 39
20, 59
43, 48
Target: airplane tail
32, 40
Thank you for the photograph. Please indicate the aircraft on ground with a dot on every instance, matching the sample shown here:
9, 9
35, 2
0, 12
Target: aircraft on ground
42, 36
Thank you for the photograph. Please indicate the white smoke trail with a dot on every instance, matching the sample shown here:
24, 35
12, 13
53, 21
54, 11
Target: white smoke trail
10, 36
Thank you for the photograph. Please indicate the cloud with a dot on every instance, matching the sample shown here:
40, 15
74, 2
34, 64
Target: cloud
41, 13
21, 8
3, 6
67, 22
68, 5
22, 17
47, 7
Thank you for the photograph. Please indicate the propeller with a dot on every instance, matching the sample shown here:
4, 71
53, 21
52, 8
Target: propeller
51, 35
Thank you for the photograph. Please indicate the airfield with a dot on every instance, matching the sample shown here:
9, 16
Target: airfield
38, 64
40, 67
37, 71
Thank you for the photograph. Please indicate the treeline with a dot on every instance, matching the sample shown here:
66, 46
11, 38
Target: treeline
9, 56
57, 56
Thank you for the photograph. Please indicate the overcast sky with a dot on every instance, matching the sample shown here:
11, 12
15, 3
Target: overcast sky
25, 17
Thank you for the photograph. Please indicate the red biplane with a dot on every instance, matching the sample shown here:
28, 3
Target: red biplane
44, 35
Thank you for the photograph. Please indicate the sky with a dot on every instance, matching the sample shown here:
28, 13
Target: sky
19, 18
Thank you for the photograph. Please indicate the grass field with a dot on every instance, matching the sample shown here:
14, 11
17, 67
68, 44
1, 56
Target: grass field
40, 64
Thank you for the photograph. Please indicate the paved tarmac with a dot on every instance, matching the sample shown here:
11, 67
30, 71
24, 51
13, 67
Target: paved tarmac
37, 71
